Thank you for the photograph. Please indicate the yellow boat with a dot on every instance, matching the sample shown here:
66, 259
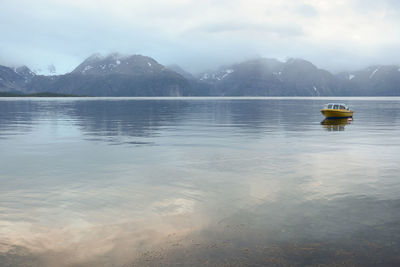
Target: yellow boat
336, 111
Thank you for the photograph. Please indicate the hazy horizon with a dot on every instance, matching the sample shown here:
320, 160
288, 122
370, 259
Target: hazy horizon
337, 36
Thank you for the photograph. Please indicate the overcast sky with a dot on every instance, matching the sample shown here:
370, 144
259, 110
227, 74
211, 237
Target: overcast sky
200, 34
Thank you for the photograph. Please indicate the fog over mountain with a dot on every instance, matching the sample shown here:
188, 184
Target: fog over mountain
200, 35
137, 75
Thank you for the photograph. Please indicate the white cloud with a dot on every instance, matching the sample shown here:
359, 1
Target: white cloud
200, 34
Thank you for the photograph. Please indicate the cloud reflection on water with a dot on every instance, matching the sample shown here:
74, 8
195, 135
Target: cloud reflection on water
210, 180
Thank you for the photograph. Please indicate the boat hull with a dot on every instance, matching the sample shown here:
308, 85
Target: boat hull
336, 114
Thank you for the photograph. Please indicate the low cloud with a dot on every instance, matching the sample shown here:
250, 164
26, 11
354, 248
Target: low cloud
200, 34
306, 10
244, 28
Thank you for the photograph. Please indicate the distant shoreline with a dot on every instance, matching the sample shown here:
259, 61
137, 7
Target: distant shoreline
44, 94
5, 95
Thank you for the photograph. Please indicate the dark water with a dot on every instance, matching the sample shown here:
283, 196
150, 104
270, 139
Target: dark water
130, 182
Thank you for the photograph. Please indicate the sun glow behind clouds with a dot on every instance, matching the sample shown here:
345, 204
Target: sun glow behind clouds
200, 34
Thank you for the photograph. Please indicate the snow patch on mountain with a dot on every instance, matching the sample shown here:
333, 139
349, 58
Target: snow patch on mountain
87, 68
227, 72
205, 76
351, 76
316, 90
220, 75
373, 73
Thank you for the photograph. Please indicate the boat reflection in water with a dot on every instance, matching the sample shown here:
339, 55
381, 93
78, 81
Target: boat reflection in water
336, 124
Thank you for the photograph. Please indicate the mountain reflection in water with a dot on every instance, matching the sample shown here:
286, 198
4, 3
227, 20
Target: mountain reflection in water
208, 181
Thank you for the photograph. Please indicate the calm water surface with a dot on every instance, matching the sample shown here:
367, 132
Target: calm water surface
208, 181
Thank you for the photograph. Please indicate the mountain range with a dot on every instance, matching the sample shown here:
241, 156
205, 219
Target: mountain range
137, 75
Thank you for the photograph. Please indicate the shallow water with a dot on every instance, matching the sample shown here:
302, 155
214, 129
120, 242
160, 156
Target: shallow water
199, 181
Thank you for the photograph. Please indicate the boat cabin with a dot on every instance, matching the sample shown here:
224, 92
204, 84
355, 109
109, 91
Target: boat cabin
336, 106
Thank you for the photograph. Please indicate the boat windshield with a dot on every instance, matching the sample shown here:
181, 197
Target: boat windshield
336, 106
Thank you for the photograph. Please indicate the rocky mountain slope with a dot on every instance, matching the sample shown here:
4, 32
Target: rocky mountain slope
371, 81
15, 79
115, 75
270, 77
